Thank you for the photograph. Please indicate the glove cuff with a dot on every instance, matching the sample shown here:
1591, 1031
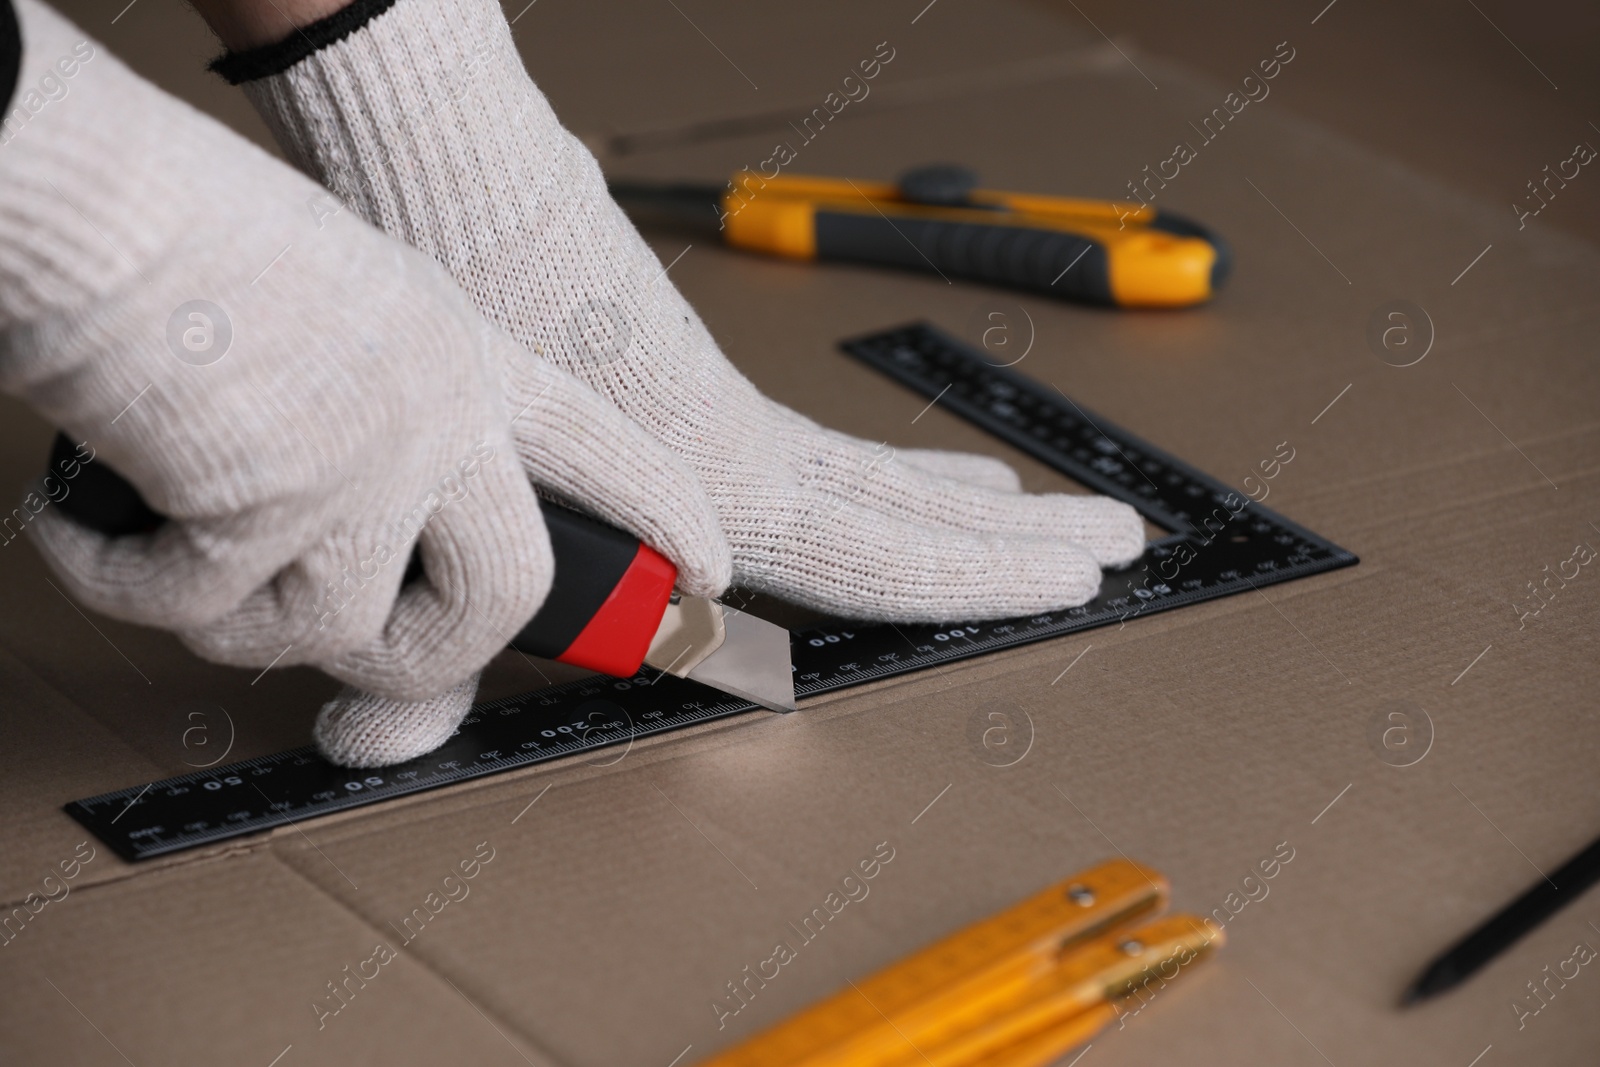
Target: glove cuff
253, 64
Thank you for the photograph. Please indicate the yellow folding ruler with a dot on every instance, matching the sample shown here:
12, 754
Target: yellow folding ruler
1014, 990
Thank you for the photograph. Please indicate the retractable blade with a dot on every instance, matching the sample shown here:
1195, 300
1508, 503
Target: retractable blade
612, 607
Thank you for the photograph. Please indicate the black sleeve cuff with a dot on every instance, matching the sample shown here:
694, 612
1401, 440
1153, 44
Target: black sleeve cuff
257, 63
10, 55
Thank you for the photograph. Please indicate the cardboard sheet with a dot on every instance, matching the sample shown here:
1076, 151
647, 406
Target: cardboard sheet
619, 905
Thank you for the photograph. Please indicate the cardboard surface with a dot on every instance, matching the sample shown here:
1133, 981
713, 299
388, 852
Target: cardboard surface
1480, 95
619, 904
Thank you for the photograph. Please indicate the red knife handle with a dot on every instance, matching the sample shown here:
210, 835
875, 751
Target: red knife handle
605, 604
607, 599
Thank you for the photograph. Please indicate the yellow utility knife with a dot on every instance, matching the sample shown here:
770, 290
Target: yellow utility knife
937, 220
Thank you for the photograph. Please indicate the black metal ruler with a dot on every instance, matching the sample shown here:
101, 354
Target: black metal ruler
1225, 544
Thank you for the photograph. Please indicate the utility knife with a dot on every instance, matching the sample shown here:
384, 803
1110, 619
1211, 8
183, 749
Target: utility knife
611, 608
937, 219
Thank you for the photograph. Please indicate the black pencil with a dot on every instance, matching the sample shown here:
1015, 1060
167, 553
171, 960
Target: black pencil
1496, 935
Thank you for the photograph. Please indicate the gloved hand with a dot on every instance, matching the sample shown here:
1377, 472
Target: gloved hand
424, 120
302, 396
361, 729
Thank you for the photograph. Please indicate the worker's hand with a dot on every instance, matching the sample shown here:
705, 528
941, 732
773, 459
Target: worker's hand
304, 398
361, 729
424, 120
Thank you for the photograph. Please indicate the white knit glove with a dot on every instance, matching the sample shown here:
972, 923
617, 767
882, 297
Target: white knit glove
424, 121
331, 401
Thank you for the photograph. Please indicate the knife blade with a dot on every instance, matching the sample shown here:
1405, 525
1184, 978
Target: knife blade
612, 607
